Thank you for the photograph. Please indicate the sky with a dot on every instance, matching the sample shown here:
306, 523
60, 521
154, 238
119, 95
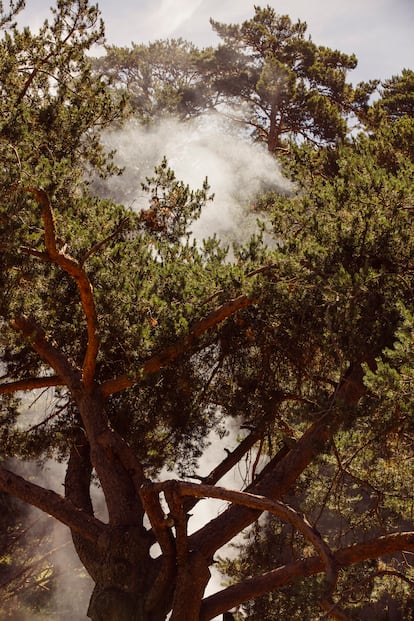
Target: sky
379, 32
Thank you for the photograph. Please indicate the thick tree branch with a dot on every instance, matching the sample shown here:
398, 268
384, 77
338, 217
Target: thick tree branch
280, 474
161, 528
287, 574
75, 271
183, 344
30, 383
190, 585
78, 474
110, 439
36, 336
275, 481
192, 569
280, 509
48, 501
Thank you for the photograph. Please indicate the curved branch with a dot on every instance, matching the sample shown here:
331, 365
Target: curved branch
183, 344
279, 475
48, 501
251, 588
261, 503
30, 383
75, 271
36, 336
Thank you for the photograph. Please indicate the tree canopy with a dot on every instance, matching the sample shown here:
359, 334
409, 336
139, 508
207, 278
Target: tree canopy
159, 79
266, 73
149, 343
290, 86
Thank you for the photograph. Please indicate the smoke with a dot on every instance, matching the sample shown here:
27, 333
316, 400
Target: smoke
67, 593
216, 147
211, 146
48, 576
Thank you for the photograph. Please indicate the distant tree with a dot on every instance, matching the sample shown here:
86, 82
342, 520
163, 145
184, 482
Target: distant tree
396, 98
149, 343
267, 74
159, 79
286, 86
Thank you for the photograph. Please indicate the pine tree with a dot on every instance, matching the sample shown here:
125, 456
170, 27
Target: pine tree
147, 342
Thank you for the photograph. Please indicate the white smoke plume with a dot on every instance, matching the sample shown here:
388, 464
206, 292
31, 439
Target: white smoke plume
211, 146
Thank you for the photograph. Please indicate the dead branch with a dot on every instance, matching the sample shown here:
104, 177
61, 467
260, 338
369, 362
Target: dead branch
261, 503
48, 418
280, 473
234, 457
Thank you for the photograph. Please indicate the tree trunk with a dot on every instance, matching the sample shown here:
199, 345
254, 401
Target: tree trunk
111, 604
119, 563
274, 130
191, 583
123, 577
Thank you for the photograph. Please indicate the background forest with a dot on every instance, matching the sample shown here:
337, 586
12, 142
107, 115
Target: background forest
156, 338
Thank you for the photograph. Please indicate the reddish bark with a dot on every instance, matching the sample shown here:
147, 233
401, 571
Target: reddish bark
117, 555
75, 271
170, 353
30, 383
280, 474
